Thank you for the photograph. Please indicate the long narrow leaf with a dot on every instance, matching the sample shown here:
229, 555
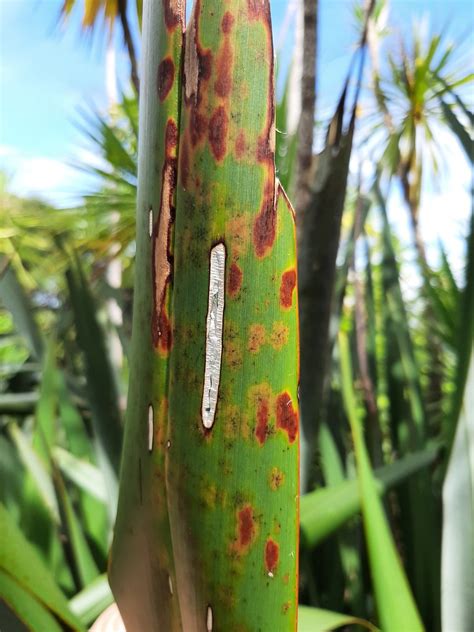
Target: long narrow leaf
325, 510
395, 604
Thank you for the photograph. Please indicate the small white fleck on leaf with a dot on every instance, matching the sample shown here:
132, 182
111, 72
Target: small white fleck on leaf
150, 428
150, 222
209, 619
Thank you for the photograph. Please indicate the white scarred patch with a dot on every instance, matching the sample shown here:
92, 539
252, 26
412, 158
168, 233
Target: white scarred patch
214, 328
170, 584
209, 619
150, 428
150, 222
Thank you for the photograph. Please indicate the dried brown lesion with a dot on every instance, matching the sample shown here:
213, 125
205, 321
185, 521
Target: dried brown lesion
162, 260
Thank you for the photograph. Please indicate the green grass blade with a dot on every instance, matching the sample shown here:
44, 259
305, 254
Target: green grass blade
325, 510
85, 566
319, 620
27, 609
395, 604
38, 469
101, 384
20, 559
88, 604
86, 476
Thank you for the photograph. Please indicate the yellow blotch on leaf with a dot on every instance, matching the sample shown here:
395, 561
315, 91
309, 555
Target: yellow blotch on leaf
276, 478
257, 337
279, 335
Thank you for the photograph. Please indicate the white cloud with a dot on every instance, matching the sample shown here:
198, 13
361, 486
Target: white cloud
52, 180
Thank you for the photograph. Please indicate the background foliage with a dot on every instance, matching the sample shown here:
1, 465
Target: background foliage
393, 440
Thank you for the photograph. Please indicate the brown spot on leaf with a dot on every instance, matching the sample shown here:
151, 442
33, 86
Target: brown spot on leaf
218, 126
223, 84
272, 552
264, 149
162, 260
287, 416
197, 125
173, 13
161, 331
288, 284
285, 607
264, 228
165, 77
257, 336
276, 478
235, 279
227, 22
263, 415
240, 145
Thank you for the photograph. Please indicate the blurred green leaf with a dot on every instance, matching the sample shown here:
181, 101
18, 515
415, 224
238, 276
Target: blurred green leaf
20, 560
85, 475
92, 600
85, 565
15, 299
395, 604
37, 468
318, 620
29, 610
101, 384
325, 510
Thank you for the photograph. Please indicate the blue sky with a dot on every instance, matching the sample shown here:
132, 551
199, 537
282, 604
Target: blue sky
49, 71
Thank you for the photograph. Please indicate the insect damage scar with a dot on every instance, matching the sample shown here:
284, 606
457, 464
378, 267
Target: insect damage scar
214, 329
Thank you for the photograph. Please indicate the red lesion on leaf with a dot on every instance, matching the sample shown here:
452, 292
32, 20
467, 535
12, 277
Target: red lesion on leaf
264, 228
223, 84
240, 144
263, 416
264, 149
171, 138
227, 22
165, 78
258, 9
218, 126
286, 416
272, 553
246, 527
173, 13
197, 125
235, 279
162, 333
287, 286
